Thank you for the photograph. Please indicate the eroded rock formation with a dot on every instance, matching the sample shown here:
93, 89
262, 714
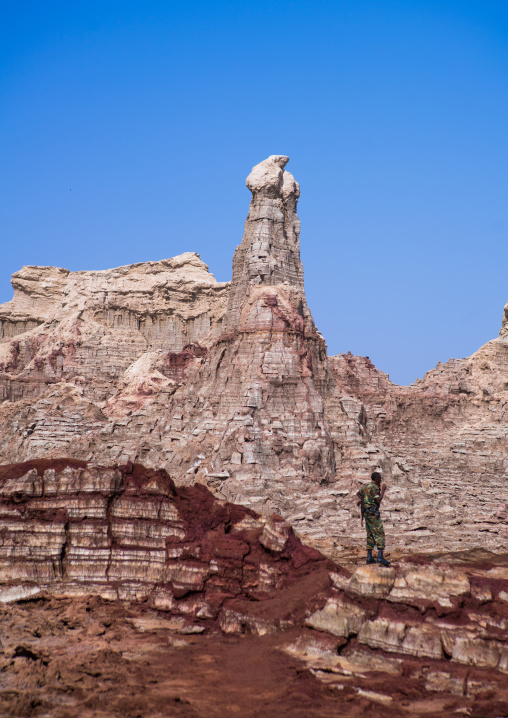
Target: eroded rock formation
230, 385
262, 411
226, 384
447, 438
69, 529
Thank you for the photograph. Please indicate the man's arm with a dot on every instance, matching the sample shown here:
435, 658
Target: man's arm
383, 489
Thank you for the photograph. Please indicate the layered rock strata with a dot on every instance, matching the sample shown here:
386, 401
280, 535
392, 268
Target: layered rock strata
262, 411
89, 359
230, 385
175, 562
64, 657
69, 529
87, 328
447, 438
451, 616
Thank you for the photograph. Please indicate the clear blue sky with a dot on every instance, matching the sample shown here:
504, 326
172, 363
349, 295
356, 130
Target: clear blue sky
127, 129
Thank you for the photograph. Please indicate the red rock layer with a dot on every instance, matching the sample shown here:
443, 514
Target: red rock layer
90, 658
127, 532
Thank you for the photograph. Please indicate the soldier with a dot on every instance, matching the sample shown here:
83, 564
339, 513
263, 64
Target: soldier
370, 496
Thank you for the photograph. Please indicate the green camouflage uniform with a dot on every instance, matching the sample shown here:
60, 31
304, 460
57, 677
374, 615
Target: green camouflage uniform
371, 498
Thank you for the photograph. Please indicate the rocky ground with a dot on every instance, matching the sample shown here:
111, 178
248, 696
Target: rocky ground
96, 658
123, 594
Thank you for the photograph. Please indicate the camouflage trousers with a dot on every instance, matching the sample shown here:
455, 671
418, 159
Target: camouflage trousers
375, 532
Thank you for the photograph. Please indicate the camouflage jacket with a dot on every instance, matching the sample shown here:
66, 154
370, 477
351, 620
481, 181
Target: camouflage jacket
370, 495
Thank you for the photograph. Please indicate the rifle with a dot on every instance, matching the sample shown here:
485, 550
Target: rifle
362, 507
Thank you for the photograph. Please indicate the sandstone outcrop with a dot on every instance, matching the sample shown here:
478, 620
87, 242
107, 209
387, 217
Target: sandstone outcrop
230, 385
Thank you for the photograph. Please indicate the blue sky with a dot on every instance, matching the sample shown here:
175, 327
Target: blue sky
127, 130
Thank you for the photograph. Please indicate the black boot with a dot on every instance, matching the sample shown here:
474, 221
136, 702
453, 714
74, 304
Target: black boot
370, 558
381, 559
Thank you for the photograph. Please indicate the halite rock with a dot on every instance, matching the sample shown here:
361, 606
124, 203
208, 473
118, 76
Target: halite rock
397, 636
429, 584
339, 617
146, 362
129, 534
373, 581
275, 534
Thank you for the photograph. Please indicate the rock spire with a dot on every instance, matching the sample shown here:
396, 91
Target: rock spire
262, 411
269, 254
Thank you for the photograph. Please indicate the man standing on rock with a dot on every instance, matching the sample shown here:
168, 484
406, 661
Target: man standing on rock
370, 496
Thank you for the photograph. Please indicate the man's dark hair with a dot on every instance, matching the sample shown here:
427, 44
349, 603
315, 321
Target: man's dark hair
376, 476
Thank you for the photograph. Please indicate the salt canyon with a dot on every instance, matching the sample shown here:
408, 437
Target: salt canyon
169, 441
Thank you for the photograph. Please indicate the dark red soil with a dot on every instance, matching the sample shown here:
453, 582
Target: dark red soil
64, 658
89, 658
